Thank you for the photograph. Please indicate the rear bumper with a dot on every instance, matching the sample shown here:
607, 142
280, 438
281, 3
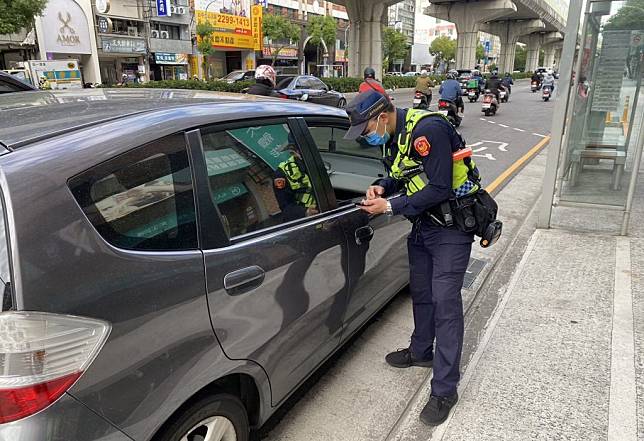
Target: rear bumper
65, 420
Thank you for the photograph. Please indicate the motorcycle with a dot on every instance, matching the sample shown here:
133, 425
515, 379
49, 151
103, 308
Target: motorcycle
490, 103
421, 101
473, 91
504, 96
449, 109
535, 86
546, 93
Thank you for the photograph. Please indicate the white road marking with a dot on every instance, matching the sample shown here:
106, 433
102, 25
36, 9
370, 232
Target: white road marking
518, 130
539, 135
483, 119
503, 125
491, 122
480, 149
501, 145
487, 156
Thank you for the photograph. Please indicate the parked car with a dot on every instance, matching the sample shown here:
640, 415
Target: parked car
239, 75
411, 74
393, 74
10, 83
154, 286
312, 88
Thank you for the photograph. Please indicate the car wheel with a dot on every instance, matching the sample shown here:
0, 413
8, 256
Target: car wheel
220, 417
342, 103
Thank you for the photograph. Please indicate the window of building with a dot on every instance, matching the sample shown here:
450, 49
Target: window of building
142, 200
257, 177
173, 32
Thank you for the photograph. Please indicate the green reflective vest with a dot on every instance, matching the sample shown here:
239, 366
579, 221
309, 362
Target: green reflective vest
408, 169
299, 182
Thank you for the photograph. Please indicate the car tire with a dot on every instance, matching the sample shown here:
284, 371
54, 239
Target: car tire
224, 411
342, 103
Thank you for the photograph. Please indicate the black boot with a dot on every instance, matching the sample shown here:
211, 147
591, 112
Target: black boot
403, 358
437, 409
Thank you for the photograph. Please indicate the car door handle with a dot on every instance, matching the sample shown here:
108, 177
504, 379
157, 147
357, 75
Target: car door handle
364, 234
244, 280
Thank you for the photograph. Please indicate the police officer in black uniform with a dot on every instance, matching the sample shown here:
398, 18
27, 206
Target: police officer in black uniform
419, 151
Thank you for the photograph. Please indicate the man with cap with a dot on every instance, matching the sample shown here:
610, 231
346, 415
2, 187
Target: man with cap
424, 157
292, 185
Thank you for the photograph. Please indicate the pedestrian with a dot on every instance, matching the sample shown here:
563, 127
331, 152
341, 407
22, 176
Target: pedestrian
416, 142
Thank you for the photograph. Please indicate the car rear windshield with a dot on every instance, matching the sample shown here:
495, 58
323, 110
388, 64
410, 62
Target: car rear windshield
5, 271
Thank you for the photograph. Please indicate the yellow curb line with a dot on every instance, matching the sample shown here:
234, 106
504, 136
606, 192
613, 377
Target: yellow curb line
508, 172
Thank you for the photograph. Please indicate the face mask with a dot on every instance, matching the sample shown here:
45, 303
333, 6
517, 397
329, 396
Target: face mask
374, 138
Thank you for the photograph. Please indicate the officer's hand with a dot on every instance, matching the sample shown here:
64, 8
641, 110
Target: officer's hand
375, 191
374, 206
311, 211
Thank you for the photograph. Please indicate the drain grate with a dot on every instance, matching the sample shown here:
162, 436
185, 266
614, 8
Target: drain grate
473, 270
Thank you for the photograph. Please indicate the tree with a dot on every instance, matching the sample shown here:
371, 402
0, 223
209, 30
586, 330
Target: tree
204, 44
280, 32
480, 52
443, 48
394, 46
19, 14
321, 28
629, 17
520, 57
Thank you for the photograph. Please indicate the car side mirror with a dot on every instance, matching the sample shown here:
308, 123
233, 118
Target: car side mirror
304, 97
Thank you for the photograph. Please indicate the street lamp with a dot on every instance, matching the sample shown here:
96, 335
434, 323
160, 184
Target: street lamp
346, 50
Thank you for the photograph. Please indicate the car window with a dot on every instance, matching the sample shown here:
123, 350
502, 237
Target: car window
303, 83
257, 177
142, 200
317, 84
6, 87
331, 139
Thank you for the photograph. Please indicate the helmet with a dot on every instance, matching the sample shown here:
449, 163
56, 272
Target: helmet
507, 74
423, 72
475, 72
369, 73
452, 74
266, 72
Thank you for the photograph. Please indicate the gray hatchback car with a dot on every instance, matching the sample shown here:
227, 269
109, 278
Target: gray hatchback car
168, 274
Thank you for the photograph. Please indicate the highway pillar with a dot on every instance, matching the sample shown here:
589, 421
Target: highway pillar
365, 35
509, 32
468, 18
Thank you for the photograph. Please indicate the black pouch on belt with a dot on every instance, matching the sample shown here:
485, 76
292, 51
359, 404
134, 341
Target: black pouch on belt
476, 213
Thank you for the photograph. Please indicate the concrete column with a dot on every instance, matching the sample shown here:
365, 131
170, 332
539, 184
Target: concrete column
532, 57
365, 35
509, 32
468, 18
549, 56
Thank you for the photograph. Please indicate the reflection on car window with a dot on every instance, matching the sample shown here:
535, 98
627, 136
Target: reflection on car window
257, 177
331, 139
142, 200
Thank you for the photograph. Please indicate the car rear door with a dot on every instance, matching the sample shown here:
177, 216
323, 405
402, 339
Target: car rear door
378, 264
276, 287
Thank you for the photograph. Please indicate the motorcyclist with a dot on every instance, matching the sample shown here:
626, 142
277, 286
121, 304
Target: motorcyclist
494, 84
476, 75
536, 77
424, 85
370, 82
507, 82
549, 80
451, 90
265, 79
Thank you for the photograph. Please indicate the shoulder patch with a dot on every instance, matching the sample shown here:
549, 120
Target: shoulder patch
422, 146
280, 183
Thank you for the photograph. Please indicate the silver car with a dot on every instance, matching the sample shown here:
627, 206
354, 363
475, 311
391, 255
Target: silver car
154, 287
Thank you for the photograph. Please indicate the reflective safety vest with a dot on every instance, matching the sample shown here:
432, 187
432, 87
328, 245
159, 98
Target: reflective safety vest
409, 170
299, 182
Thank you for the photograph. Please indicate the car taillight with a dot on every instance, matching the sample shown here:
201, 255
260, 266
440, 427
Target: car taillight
281, 95
41, 357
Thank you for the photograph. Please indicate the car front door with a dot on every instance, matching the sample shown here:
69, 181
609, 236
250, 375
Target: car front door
378, 266
326, 98
276, 287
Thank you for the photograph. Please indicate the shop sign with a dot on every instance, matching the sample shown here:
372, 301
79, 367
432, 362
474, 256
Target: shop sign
340, 55
257, 27
163, 9
286, 52
169, 58
231, 20
65, 28
123, 45
104, 25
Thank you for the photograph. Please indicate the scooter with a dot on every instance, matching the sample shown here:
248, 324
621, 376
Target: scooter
546, 93
504, 96
449, 109
421, 101
535, 86
490, 103
473, 94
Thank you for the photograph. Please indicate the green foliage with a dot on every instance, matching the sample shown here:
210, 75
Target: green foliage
542, 57
322, 28
393, 82
443, 48
18, 14
204, 44
480, 52
630, 16
394, 46
520, 57
277, 28
344, 84
219, 86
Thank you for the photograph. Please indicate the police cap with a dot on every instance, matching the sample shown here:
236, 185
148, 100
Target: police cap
362, 108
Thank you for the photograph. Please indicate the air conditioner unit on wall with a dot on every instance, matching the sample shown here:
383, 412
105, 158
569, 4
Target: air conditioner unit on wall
132, 31
173, 9
154, 33
165, 34
181, 10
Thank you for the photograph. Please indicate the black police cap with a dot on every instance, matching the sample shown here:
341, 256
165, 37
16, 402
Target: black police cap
362, 108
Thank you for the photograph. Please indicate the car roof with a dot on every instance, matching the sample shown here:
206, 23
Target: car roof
34, 116
8, 78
